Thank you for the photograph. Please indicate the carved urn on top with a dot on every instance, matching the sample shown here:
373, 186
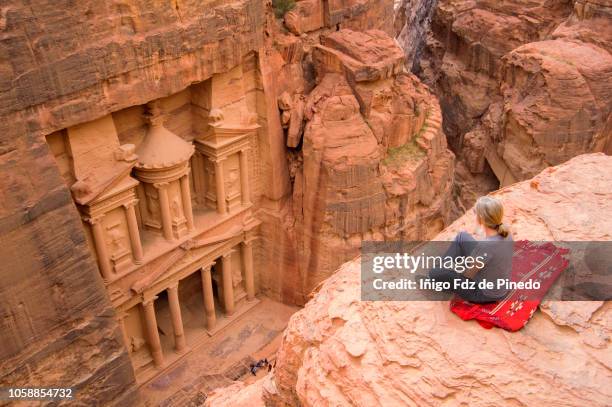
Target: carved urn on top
163, 169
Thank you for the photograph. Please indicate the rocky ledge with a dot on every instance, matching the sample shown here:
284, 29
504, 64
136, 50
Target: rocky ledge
339, 350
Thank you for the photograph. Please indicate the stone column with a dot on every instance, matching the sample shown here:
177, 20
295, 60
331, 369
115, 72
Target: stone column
247, 259
186, 198
209, 300
101, 252
132, 222
220, 186
152, 333
164, 206
228, 284
142, 203
177, 319
121, 320
245, 194
198, 177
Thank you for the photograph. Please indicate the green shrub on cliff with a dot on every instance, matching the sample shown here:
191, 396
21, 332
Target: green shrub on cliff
282, 6
396, 156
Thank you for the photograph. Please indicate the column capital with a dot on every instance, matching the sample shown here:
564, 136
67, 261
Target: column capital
94, 220
208, 266
161, 185
248, 241
217, 160
173, 285
148, 300
228, 254
128, 205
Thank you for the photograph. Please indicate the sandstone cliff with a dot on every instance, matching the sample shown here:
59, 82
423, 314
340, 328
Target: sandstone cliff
523, 84
349, 146
62, 64
366, 153
287, 78
374, 163
67, 63
339, 350
411, 25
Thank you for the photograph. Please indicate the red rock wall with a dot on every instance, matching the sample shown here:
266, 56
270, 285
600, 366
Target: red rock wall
288, 73
524, 84
57, 326
369, 161
63, 63
66, 63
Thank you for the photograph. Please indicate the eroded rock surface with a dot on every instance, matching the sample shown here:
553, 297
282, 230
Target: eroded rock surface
411, 25
374, 158
62, 64
70, 64
523, 84
339, 350
289, 75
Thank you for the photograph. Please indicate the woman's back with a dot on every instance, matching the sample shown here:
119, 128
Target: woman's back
497, 251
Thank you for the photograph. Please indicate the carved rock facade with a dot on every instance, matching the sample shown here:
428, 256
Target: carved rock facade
145, 166
168, 215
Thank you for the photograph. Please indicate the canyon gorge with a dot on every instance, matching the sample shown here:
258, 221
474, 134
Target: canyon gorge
523, 84
187, 185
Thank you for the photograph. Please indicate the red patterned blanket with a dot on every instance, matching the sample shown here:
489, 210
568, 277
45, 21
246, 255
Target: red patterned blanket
542, 262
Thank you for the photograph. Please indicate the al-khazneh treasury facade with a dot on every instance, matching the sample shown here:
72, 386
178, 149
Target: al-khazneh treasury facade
141, 143
164, 193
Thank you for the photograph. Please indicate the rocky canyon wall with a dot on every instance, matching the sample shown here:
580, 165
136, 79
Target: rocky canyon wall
366, 152
340, 350
61, 64
287, 78
411, 25
523, 84
349, 147
374, 163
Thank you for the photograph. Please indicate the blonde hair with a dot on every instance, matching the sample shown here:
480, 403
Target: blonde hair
490, 211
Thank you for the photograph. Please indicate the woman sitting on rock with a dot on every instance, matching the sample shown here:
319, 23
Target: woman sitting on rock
494, 249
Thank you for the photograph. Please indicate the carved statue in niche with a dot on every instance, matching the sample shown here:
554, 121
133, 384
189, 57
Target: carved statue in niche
233, 181
119, 246
115, 239
176, 208
210, 176
136, 343
209, 173
152, 204
236, 276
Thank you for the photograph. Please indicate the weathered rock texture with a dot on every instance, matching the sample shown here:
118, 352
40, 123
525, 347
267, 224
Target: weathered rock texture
339, 350
374, 162
523, 84
366, 153
62, 64
67, 64
411, 25
287, 77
